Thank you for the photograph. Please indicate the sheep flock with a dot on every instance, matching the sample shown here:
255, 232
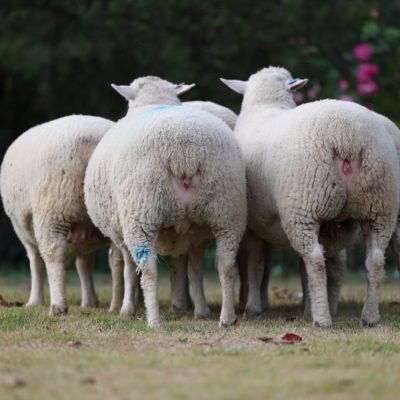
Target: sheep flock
171, 177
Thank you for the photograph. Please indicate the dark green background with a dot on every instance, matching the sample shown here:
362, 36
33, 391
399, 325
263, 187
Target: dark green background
58, 57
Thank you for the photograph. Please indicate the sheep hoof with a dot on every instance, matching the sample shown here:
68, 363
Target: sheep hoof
34, 303
204, 314
157, 325
323, 323
179, 307
226, 324
333, 310
369, 323
114, 308
90, 304
251, 313
127, 311
56, 310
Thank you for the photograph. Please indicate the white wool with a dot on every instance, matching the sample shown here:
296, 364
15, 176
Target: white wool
130, 195
42, 191
295, 186
224, 113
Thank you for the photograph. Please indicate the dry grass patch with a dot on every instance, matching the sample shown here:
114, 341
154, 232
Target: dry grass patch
91, 354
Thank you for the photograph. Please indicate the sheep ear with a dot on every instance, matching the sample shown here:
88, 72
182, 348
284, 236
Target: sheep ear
294, 84
235, 84
128, 92
183, 88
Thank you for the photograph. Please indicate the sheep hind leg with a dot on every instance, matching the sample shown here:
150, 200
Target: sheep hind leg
131, 281
116, 264
38, 274
336, 266
376, 242
255, 271
142, 245
57, 283
84, 266
265, 279
306, 302
227, 248
317, 280
195, 271
180, 298
242, 264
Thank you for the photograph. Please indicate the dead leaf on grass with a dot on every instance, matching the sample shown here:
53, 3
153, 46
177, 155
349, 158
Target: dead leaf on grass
13, 382
75, 343
288, 338
88, 380
4, 303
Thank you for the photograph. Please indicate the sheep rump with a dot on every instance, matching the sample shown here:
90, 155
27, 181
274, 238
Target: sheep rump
327, 162
42, 190
187, 181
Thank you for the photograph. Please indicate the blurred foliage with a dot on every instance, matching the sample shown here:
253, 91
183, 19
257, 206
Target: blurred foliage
58, 57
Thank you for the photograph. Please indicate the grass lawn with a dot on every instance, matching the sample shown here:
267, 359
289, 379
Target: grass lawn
91, 354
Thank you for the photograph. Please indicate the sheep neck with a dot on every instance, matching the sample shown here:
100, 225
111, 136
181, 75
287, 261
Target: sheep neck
153, 99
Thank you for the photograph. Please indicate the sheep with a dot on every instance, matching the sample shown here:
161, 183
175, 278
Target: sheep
224, 113
180, 298
42, 191
319, 164
165, 178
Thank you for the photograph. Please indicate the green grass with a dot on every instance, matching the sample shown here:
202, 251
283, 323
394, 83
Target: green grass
91, 354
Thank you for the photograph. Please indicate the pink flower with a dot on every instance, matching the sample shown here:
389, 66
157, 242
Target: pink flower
366, 72
367, 88
298, 97
312, 93
345, 97
363, 52
343, 84
374, 12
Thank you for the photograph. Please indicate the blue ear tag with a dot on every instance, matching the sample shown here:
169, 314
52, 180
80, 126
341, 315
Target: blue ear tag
292, 80
140, 254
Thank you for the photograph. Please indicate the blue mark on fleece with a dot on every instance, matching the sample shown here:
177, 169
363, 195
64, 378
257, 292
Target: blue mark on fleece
140, 254
162, 108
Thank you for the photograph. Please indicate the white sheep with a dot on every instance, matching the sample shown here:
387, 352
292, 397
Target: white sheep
42, 191
164, 178
180, 298
322, 163
224, 113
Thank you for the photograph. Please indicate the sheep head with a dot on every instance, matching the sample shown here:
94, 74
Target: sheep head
270, 86
151, 90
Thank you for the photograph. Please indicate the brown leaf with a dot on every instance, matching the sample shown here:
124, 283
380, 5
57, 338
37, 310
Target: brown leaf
75, 343
89, 380
14, 382
4, 303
